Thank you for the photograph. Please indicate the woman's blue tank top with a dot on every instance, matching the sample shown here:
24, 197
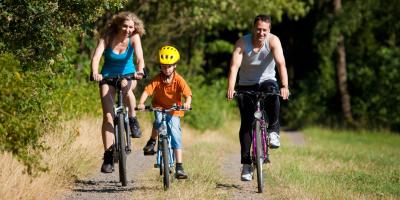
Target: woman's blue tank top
118, 64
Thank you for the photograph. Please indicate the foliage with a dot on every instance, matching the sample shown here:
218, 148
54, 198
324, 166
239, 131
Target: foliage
372, 51
33, 30
41, 82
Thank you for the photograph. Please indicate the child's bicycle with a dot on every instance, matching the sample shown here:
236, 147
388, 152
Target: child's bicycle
122, 139
165, 159
261, 140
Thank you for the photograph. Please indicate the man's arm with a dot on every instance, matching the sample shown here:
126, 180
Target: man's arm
277, 52
236, 61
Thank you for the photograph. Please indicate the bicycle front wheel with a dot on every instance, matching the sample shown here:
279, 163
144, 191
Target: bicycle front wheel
122, 153
165, 163
259, 157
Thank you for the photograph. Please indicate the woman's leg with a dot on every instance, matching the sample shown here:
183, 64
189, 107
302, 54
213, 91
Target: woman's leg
130, 102
107, 94
129, 97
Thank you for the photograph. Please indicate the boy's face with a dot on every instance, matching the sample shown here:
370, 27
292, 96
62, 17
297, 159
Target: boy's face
167, 70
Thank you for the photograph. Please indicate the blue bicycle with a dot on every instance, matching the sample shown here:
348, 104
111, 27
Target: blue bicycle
165, 159
261, 140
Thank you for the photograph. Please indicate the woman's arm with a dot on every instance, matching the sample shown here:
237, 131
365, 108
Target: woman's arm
95, 61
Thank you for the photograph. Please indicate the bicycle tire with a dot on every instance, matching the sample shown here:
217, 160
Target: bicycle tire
259, 158
165, 161
122, 153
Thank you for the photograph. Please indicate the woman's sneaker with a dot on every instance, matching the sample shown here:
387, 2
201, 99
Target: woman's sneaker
149, 148
247, 172
135, 128
108, 162
274, 142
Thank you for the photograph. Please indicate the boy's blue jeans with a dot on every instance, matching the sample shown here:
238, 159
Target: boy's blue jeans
173, 128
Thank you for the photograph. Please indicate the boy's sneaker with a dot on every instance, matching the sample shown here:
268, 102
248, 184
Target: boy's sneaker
108, 163
180, 174
149, 148
274, 142
247, 172
135, 128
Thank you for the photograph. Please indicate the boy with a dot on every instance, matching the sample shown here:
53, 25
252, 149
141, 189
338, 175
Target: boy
167, 89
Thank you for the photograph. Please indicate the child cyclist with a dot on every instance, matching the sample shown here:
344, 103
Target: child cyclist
167, 89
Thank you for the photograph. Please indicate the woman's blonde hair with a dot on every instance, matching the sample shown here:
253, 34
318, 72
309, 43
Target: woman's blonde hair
114, 25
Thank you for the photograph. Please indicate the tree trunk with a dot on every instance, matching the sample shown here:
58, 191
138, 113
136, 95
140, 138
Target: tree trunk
342, 73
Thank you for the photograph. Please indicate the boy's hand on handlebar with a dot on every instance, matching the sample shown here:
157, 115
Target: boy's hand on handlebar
186, 106
97, 77
140, 106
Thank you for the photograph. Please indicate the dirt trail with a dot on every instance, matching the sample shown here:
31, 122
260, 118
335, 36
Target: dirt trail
106, 186
231, 169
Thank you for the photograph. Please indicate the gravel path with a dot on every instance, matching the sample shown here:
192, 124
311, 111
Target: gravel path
101, 186
231, 169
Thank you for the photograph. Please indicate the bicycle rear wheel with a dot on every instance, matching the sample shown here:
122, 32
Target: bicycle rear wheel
259, 157
122, 153
165, 163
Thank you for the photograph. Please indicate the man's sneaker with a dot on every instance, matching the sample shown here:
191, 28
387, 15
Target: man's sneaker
247, 172
135, 128
180, 174
108, 163
149, 148
274, 142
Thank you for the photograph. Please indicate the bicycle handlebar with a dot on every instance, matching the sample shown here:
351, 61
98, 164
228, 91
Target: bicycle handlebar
260, 94
173, 108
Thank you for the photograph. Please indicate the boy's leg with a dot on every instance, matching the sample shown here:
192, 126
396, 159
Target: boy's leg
174, 127
149, 148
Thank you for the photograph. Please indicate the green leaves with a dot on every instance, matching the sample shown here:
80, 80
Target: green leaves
34, 30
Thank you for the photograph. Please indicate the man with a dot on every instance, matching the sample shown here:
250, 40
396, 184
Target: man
256, 55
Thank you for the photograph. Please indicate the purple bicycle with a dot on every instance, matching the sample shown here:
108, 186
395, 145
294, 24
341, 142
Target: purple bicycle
261, 140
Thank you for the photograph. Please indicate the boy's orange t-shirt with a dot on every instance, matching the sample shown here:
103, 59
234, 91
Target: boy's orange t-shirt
167, 94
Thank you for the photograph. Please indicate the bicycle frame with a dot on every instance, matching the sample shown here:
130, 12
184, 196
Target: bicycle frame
260, 155
164, 136
122, 140
163, 133
259, 117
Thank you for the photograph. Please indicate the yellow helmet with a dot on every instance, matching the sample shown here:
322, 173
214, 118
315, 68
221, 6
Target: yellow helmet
168, 55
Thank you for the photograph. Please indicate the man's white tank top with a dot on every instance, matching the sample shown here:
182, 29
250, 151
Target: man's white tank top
256, 67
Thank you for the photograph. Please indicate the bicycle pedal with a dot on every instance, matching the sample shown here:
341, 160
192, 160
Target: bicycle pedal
149, 153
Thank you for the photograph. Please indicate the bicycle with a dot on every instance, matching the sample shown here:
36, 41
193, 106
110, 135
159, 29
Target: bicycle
261, 140
122, 140
165, 159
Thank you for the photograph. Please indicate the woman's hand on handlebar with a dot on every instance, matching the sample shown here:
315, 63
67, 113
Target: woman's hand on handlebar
97, 77
139, 75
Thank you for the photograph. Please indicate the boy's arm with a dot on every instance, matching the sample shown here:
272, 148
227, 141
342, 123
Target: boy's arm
188, 101
142, 100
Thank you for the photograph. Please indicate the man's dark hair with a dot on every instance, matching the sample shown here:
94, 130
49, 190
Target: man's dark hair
264, 18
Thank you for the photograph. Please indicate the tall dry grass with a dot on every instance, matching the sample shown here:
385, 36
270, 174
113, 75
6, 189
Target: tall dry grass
75, 149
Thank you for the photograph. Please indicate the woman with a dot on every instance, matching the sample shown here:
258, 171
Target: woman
120, 43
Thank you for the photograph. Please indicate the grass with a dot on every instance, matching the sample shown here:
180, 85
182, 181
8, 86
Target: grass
201, 162
72, 153
338, 165
332, 165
